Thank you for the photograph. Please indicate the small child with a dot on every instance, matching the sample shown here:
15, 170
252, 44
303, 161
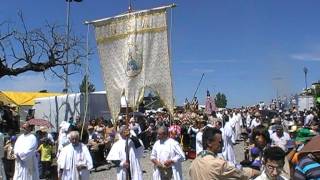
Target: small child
9, 157
45, 150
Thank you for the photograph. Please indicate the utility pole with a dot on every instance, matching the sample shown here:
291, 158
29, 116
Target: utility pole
66, 68
305, 70
130, 9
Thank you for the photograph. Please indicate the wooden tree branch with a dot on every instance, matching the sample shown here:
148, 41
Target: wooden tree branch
38, 50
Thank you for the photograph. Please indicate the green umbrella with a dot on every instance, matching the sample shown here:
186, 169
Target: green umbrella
303, 134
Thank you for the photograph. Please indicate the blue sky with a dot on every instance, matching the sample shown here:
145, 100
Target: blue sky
247, 49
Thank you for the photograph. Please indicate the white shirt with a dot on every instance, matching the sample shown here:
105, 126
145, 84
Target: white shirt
239, 119
263, 176
255, 123
280, 141
248, 120
192, 129
308, 119
199, 147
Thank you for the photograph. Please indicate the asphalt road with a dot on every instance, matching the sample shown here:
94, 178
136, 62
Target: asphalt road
105, 173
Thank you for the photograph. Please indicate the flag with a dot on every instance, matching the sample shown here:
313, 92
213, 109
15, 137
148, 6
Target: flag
210, 104
134, 55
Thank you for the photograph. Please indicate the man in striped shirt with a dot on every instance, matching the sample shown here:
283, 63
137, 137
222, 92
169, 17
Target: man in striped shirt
308, 167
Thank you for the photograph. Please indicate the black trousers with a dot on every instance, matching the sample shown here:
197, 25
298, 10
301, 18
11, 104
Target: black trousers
46, 168
8, 167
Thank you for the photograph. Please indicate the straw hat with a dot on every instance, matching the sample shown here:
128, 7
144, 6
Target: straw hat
43, 129
257, 114
293, 129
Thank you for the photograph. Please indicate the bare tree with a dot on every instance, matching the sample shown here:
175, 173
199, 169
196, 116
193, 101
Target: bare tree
38, 50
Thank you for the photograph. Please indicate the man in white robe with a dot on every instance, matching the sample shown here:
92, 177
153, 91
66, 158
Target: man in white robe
238, 124
199, 142
118, 155
166, 155
26, 166
233, 122
63, 139
219, 115
74, 161
218, 125
248, 120
199, 148
228, 141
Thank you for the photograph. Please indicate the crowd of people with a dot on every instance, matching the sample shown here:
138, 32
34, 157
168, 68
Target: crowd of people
275, 146
9, 118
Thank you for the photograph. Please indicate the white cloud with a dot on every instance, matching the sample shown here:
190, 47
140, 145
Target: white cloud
306, 56
208, 61
200, 70
30, 82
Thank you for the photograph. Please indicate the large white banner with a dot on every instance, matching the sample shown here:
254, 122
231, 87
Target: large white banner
134, 54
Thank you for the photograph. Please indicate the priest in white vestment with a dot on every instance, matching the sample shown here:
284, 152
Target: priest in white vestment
248, 120
74, 161
166, 156
233, 122
228, 141
26, 163
199, 147
202, 125
118, 156
63, 139
238, 124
